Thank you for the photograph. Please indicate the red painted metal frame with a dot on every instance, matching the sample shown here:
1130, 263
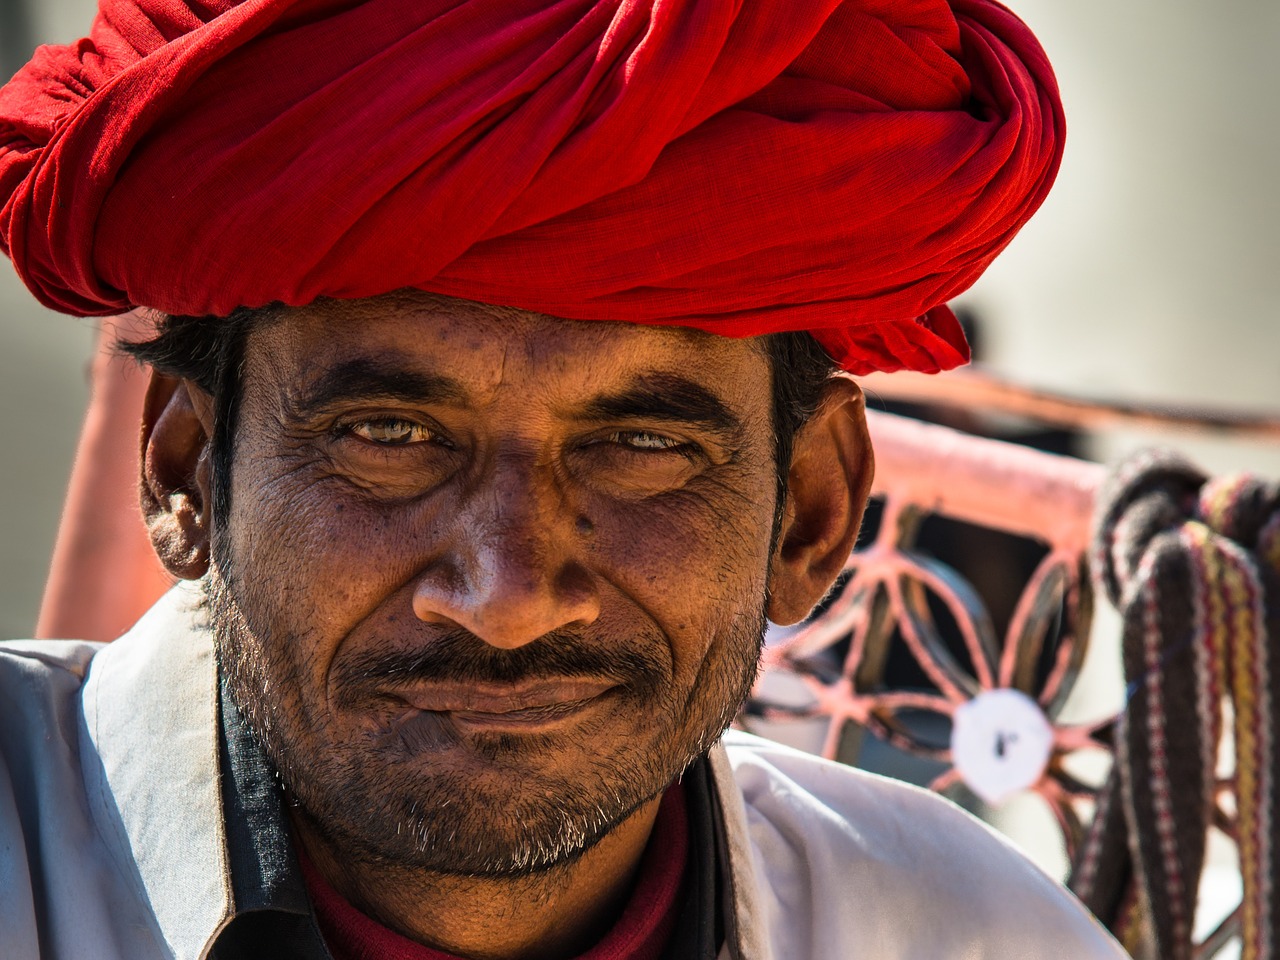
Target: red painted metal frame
974, 389
924, 469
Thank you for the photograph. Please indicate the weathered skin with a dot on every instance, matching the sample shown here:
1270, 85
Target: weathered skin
484, 590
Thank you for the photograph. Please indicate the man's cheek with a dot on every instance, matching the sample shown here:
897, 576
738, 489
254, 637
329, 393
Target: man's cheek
714, 534
695, 566
324, 544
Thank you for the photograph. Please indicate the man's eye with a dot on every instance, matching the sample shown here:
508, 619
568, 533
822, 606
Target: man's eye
643, 440
390, 431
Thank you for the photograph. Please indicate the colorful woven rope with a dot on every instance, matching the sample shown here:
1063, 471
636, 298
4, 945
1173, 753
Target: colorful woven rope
1193, 565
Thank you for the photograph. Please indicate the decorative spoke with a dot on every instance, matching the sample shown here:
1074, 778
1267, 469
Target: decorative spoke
997, 700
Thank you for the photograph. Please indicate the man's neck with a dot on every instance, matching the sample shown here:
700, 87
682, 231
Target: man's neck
556, 914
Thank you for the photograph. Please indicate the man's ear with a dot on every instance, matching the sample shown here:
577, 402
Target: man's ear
176, 491
827, 489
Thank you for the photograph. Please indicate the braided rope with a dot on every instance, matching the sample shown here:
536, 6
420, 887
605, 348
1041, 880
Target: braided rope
1194, 567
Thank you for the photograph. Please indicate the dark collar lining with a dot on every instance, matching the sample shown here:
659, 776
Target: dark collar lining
698, 933
273, 915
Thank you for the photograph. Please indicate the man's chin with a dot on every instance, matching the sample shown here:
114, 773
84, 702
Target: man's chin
466, 819
428, 758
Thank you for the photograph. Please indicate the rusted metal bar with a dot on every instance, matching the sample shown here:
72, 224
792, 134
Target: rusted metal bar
985, 482
981, 392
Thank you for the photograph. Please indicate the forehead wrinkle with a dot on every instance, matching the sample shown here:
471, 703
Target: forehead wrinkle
600, 355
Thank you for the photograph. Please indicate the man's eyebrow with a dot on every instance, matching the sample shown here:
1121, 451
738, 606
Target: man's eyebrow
366, 378
668, 397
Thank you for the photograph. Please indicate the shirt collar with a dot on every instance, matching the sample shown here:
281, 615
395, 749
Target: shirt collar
150, 756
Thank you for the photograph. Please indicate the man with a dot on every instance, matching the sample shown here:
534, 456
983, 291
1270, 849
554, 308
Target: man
475, 582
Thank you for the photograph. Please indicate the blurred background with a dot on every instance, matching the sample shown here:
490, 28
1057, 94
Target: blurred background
1149, 275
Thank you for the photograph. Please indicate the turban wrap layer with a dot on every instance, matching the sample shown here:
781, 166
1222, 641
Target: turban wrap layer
737, 166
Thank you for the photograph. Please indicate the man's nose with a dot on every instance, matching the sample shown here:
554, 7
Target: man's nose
511, 571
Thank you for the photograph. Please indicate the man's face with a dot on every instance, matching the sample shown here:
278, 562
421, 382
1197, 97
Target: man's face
490, 580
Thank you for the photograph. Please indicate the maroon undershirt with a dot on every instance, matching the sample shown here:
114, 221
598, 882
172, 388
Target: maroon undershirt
641, 932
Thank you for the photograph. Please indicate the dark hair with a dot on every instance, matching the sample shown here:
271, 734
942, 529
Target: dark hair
209, 351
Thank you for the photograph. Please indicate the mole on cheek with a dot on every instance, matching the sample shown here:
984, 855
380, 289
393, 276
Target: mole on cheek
586, 527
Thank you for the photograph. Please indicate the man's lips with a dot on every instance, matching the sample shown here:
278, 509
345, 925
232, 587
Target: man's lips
521, 705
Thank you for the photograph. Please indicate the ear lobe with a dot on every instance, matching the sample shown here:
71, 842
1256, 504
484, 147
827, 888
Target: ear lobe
828, 485
176, 477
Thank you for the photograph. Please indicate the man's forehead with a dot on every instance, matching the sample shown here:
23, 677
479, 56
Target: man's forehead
474, 350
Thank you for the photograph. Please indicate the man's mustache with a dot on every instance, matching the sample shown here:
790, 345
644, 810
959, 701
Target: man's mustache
459, 656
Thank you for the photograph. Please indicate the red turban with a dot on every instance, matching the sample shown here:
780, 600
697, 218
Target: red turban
739, 167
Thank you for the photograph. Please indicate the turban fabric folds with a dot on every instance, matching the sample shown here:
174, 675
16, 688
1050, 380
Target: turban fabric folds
738, 166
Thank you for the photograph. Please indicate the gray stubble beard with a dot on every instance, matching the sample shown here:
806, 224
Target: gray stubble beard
378, 818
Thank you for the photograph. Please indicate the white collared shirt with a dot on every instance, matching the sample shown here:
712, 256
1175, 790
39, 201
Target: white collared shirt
113, 843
